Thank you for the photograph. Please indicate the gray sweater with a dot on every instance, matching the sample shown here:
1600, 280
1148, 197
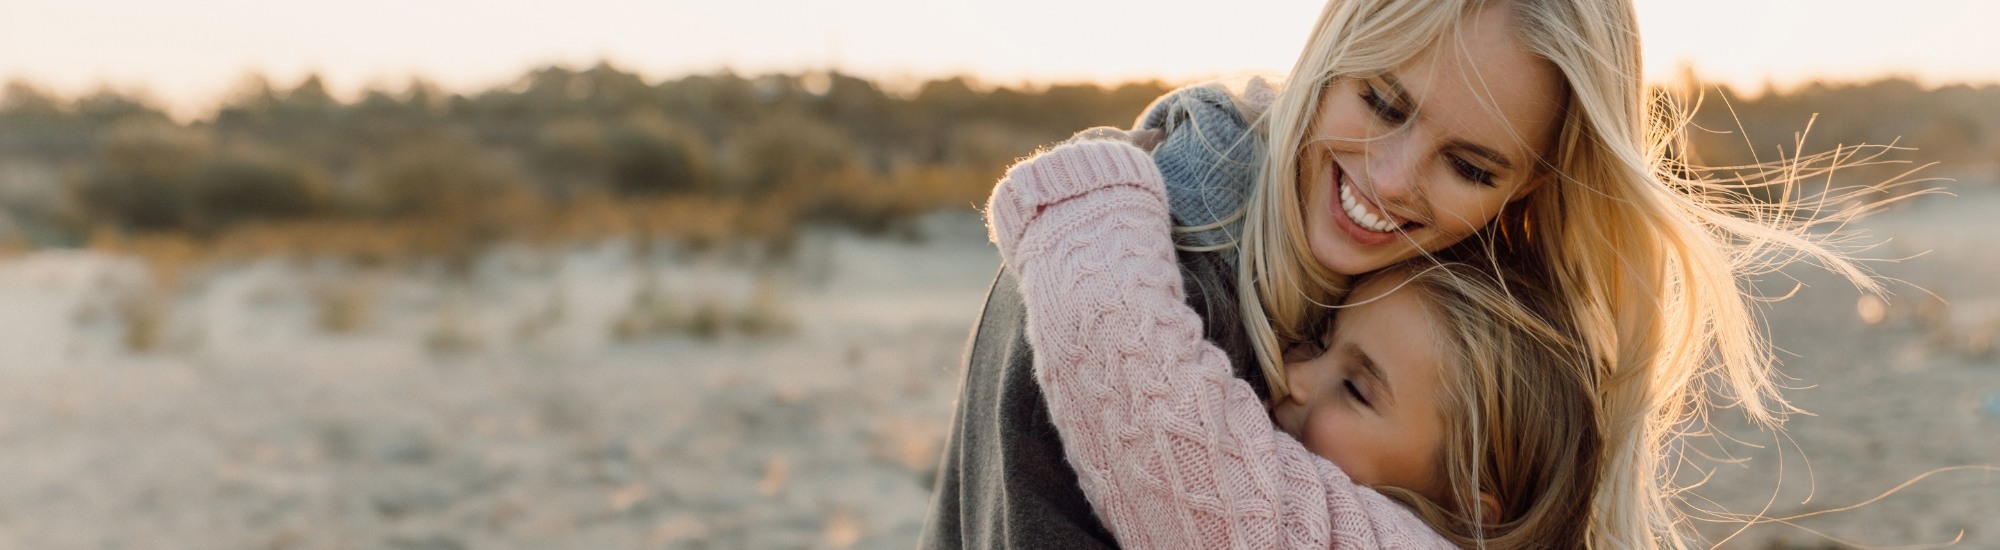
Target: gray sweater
1003, 482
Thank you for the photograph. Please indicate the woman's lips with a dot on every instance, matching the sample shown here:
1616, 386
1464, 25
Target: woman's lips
1353, 230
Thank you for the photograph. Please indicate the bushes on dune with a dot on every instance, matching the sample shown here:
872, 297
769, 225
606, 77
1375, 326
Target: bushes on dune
770, 152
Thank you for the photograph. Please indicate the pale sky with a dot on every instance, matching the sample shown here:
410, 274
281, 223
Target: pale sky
189, 52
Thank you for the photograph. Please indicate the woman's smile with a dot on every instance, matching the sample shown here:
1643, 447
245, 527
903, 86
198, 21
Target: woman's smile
1364, 221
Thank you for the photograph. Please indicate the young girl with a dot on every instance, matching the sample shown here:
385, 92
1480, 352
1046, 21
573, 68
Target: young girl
1433, 387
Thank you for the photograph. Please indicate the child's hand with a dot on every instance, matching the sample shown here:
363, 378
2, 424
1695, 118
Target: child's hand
1094, 159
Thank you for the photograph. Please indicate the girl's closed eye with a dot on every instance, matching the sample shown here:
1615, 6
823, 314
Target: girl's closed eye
1354, 390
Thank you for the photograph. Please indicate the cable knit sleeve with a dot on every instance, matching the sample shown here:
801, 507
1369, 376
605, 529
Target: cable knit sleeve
1171, 450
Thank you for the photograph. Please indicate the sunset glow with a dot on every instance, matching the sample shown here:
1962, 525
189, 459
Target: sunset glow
188, 53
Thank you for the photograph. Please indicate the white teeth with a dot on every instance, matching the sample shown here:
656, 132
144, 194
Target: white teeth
1361, 216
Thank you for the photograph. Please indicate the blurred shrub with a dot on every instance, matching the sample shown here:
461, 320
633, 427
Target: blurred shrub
145, 177
568, 153
789, 151
153, 176
437, 177
241, 186
776, 149
647, 154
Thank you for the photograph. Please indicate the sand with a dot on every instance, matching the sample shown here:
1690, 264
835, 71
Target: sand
290, 404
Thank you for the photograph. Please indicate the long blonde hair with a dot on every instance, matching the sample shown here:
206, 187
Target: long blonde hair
1645, 252
1519, 405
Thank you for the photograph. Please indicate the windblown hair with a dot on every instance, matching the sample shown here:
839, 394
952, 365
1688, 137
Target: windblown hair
1519, 407
1646, 252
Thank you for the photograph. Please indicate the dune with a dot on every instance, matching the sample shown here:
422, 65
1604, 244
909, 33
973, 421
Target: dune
315, 405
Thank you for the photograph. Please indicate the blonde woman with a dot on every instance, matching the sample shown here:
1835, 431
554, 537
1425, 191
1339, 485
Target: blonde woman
1517, 130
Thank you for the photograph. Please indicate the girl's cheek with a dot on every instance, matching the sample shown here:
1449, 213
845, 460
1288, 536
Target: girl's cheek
1290, 417
1324, 435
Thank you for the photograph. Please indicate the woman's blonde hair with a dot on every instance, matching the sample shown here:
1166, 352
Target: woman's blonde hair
1646, 253
1519, 407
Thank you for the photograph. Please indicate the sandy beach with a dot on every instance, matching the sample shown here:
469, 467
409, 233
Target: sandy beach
300, 404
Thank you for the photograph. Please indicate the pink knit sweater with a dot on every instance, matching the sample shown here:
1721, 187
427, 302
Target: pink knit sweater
1171, 449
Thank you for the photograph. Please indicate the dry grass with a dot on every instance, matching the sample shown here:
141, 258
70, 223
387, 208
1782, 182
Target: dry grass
345, 305
766, 312
13, 246
652, 312
143, 312
655, 312
767, 225
143, 316
515, 218
167, 255
456, 332
538, 323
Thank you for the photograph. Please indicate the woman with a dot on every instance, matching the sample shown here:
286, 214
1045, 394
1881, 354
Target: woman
1405, 128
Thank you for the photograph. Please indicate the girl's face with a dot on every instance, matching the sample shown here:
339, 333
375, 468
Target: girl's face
1417, 158
1369, 400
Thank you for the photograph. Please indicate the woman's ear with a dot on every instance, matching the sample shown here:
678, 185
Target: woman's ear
1489, 510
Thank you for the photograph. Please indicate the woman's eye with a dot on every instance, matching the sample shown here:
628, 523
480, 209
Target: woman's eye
1381, 107
1472, 172
1354, 391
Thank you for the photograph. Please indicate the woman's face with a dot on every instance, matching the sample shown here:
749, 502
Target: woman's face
1417, 158
1368, 397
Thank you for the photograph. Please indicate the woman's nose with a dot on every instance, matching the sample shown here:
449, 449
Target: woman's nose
1394, 170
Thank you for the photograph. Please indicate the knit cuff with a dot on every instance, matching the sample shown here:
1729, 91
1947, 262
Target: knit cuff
1076, 168
1065, 172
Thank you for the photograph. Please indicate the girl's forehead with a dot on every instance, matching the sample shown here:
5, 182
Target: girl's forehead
1373, 286
1392, 297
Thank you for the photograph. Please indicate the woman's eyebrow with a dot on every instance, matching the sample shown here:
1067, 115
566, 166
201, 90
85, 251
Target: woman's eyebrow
1398, 95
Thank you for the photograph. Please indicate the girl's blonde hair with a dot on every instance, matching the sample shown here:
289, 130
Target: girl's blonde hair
1645, 252
1519, 406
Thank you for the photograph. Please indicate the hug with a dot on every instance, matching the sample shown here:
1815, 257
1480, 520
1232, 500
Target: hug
1446, 284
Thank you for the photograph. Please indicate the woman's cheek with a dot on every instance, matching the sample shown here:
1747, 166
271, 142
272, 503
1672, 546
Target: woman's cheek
1467, 212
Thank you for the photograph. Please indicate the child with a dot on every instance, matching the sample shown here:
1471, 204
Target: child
1438, 388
